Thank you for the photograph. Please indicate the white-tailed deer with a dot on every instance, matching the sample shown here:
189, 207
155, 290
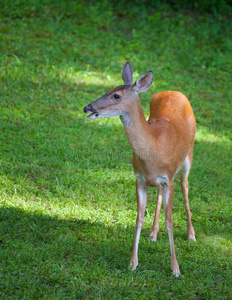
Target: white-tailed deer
162, 146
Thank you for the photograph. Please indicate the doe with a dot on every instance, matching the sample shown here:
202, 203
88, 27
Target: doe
161, 146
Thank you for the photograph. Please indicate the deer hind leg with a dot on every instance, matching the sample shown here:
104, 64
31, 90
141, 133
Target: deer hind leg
141, 192
155, 226
168, 203
184, 186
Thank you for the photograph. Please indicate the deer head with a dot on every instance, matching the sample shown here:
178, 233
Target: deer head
118, 101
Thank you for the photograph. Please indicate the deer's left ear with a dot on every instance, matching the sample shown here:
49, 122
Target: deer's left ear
127, 74
143, 83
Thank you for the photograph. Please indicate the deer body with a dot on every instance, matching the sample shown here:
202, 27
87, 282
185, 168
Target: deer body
162, 146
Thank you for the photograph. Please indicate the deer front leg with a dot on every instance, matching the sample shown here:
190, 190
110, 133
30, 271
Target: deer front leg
141, 192
168, 203
155, 226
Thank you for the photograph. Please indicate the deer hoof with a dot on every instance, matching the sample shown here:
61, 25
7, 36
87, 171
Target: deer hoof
153, 236
175, 269
133, 265
191, 235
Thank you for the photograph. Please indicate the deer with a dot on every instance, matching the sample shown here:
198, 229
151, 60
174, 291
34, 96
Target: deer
162, 146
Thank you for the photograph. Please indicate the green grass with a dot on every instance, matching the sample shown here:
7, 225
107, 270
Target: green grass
68, 203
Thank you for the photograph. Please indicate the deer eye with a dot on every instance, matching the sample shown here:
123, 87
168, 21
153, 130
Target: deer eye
116, 96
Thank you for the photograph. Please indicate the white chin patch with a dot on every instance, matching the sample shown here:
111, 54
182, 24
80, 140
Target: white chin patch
106, 114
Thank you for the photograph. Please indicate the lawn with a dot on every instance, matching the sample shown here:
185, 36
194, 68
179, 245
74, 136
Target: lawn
67, 188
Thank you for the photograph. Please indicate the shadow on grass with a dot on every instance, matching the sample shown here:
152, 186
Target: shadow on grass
39, 250
43, 255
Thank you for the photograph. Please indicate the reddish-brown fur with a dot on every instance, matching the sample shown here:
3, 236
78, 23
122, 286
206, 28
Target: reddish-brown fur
162, 146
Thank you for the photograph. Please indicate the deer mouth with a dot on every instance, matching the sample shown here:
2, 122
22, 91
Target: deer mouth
93, 115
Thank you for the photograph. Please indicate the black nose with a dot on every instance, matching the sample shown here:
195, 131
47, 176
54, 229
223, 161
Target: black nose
87, 108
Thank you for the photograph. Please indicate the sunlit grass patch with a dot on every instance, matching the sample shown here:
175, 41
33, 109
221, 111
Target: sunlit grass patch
207, 136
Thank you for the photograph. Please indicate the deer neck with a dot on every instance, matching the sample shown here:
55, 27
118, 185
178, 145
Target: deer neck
137, 129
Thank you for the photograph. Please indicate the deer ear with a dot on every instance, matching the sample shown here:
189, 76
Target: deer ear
143, 83
127, 74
